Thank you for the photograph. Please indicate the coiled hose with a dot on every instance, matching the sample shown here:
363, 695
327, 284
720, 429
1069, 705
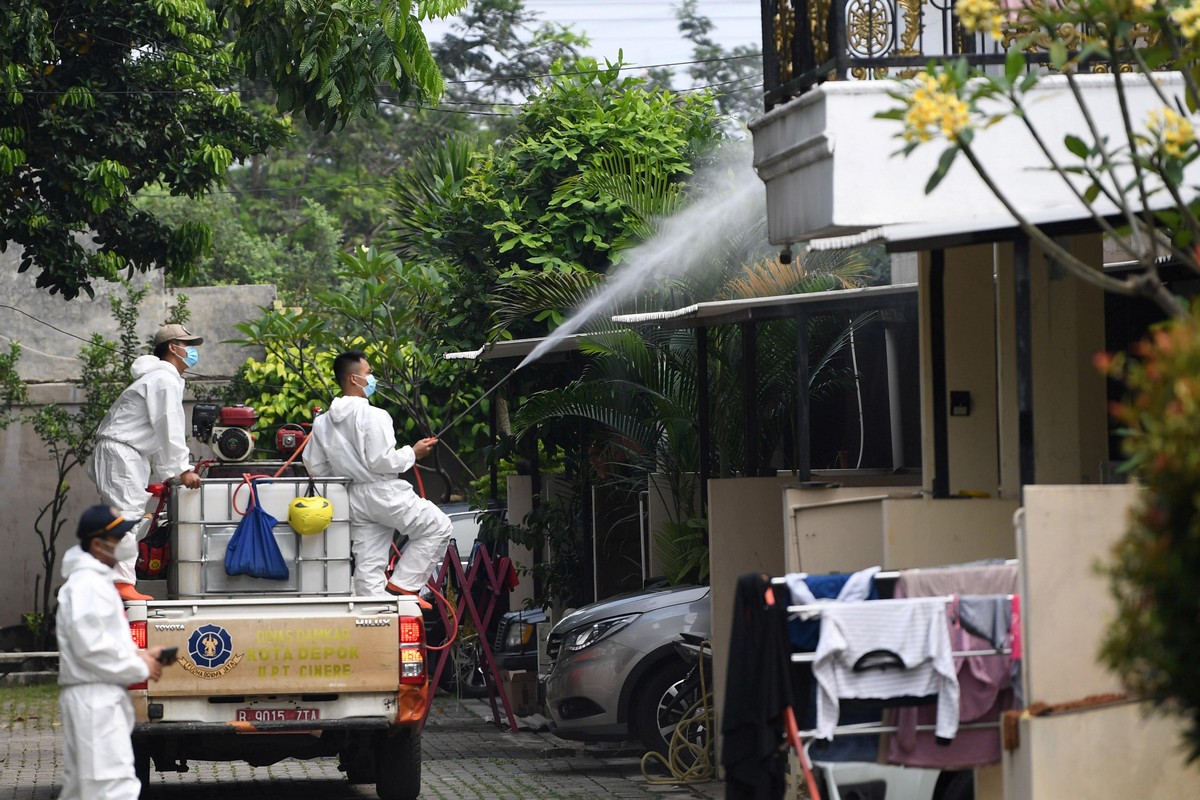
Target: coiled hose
687, 761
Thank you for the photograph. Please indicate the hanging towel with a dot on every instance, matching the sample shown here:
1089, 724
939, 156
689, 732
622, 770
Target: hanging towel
757, 690
884, 650
984, 692
985, 682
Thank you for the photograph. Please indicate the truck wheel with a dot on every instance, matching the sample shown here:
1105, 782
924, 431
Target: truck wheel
398, 766
358, 760
141, 765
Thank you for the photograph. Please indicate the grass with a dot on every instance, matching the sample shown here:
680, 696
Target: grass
36, 705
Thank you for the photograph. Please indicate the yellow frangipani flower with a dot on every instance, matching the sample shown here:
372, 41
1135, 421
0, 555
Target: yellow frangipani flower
1173, 132
935, 108
1188, 19
981, 15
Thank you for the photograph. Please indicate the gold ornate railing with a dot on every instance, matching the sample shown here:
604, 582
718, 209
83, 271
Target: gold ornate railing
811, 41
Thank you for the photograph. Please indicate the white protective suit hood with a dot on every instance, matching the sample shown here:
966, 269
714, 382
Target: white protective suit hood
94, 643
76, 559
143, 364
342, 407
355, 440
148, 416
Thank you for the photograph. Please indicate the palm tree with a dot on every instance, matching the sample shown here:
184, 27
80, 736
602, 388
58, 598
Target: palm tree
638, 395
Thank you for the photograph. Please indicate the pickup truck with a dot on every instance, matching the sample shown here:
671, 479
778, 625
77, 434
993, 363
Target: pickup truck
269, 670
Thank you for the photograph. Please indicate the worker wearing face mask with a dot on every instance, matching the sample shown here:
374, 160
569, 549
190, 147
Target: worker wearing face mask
355, 440
145, 434
97, 662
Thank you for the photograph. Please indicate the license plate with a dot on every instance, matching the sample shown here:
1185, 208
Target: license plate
277, 714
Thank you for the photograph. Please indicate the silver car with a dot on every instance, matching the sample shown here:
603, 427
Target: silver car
616, 671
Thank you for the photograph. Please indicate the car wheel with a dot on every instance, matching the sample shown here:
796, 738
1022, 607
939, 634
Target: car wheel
463, 674
659, 706
398, 766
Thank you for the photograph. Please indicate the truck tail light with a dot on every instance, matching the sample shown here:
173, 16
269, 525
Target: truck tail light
412, 650
138, 630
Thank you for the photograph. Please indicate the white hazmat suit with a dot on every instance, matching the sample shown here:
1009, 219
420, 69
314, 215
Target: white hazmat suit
97, 660
355, 440
143, 434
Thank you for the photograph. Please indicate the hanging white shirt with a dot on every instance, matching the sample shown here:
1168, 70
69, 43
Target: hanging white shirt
909, 634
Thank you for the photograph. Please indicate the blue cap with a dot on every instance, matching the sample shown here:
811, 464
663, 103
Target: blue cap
102, 520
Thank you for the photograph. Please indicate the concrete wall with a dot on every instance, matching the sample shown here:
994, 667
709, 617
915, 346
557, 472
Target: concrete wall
1111, 751
29, 473
849, 529
746, 534
49, 355
49, 362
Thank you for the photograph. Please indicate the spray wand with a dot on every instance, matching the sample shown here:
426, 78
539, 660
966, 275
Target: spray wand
469, 408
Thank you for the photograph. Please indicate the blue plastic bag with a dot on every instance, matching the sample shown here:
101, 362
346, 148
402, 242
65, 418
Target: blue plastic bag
252, 549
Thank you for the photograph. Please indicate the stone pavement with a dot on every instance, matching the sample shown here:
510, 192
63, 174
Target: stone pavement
465, 756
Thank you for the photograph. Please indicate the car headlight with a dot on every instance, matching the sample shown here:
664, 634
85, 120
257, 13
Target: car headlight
519, 634
588, 635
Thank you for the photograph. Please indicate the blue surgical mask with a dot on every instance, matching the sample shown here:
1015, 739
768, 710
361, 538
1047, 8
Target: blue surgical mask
191, 356
369, 388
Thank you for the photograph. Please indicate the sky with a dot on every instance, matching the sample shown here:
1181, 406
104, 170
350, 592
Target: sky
645, 29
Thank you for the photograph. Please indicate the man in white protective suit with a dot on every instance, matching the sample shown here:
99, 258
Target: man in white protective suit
355, 440
145, 433
97, 660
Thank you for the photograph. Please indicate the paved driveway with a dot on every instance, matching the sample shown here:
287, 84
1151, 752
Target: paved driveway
465, 756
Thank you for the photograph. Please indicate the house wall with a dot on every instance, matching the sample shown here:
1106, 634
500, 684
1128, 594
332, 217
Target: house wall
833, 530
970, 366
821, 156
1109, 751
746, 534
924, 532
980, 339
893, 529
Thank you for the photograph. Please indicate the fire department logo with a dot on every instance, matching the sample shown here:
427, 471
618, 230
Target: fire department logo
211, 651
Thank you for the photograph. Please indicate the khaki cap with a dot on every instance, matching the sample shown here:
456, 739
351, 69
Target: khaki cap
176, 333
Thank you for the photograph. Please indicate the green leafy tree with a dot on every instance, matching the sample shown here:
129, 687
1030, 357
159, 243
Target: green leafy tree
489, 58
1153, 575
400, 315
101, 99
299, 261
520, 207
635, 404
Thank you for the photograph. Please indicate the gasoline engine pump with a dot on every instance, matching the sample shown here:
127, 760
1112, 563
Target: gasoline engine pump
226, 429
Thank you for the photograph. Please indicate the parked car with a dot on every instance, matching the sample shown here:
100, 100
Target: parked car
616, 670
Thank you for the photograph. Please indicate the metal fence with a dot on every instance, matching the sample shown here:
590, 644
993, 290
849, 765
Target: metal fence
806, 42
